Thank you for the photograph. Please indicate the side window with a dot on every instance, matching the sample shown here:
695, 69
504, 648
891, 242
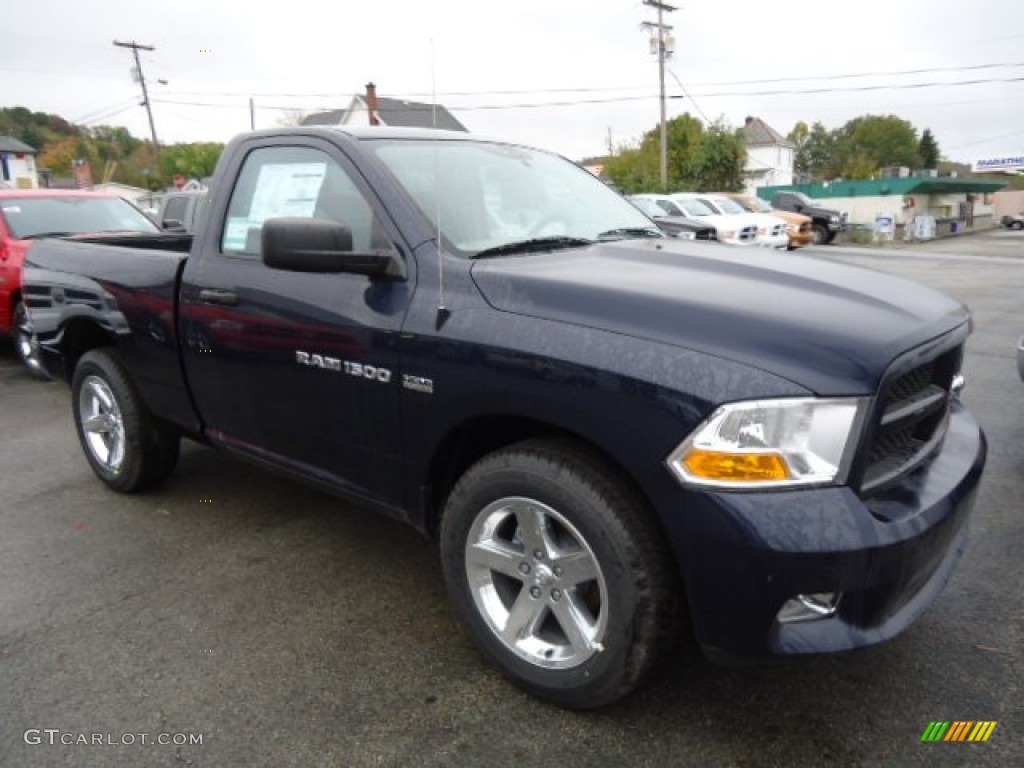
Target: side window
296, 182
670, 208
175, 210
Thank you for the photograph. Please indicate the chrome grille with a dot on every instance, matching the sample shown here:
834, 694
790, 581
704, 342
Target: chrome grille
910, 419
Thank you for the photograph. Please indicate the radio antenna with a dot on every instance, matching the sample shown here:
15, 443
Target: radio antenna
442, 311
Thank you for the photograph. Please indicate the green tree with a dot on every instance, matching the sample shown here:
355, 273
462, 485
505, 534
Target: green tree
868, 143
194, 161
721, 159
815, 157
928, 148
698, 158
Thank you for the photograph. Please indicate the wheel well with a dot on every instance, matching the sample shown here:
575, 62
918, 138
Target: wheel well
81, 336
9, 320
471, 441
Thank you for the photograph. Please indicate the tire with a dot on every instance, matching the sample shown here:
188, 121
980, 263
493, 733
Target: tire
1018, 225
820, 234
25, 343
589, 619
830, 237
124, 445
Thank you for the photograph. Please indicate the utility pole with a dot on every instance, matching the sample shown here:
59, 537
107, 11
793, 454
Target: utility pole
252, 114
663, 54
136, 47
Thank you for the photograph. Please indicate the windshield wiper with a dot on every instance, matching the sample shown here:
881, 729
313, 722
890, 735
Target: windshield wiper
46, 234
534, 244
624, 233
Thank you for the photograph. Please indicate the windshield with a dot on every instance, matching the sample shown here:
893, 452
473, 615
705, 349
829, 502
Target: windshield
33, 216
695, 207
803, 198
492, 195
649, 207
756, 204
728, 206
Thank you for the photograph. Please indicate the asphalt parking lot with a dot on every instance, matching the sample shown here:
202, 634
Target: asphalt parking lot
285, 628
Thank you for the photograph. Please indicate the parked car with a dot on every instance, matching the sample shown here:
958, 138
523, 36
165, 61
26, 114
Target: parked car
680, 226
798, 226
828, 222
601, 425
727, 231
771, 230
26, 215
178, 211
1013, 222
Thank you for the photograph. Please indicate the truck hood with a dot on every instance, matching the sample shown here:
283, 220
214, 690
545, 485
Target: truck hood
828, 327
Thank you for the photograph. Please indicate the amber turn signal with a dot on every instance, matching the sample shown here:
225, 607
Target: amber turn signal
736, 467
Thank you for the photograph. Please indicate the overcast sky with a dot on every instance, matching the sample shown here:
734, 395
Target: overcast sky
57, 56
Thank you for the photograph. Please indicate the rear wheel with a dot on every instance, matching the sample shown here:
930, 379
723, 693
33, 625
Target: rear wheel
559, 573
124, 445
1017, 225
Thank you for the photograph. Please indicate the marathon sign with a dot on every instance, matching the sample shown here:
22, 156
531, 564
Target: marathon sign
1001, 164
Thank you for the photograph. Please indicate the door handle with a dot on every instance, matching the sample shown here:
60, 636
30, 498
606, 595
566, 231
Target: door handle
214, 296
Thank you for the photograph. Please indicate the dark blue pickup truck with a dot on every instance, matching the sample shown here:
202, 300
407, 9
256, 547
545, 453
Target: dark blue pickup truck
615, 436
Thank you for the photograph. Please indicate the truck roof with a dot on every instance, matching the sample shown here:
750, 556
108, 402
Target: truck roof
362, 132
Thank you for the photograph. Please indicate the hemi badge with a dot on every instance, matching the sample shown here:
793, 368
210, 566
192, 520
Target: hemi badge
418, 384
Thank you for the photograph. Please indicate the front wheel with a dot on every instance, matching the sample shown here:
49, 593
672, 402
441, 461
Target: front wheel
820, 234
559, 572
1017, 225
125, 446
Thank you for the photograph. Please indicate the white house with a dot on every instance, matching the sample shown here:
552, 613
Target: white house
17, 164
770, 156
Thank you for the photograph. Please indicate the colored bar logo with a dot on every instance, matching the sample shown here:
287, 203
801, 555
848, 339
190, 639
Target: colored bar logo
959, 730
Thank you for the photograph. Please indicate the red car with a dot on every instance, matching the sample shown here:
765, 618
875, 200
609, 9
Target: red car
27, 214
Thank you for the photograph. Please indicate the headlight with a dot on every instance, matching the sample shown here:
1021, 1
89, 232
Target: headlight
771, 444
791, 228
834, 219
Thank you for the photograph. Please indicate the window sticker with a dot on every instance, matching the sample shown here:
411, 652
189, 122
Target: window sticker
286, 189
12, 209
236, 233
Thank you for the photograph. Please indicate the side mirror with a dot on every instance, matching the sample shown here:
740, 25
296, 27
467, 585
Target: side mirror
172, 225
320, 246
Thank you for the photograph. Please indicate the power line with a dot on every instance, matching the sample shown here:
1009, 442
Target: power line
91, 114
985, 141
106, 115
890, 73
624, 99
609, 89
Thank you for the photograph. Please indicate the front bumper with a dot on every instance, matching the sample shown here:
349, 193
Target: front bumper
744, 555
800, 239
773, 241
